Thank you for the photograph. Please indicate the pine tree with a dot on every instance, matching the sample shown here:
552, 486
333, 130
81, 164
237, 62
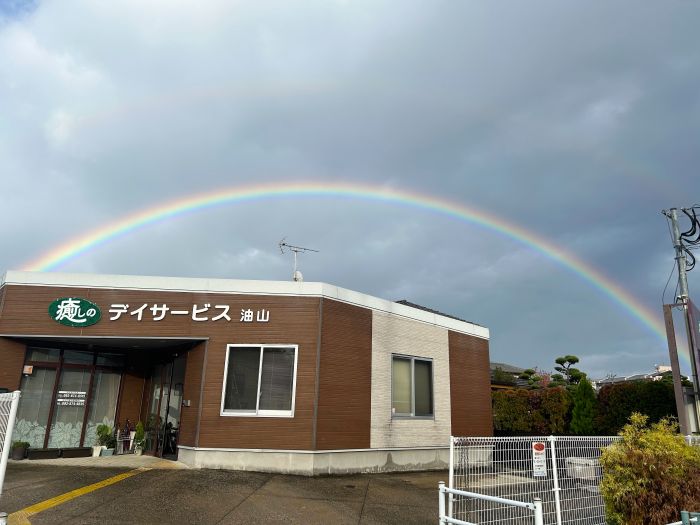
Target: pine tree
584, 409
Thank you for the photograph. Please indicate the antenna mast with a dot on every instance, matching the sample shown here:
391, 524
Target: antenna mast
297, 276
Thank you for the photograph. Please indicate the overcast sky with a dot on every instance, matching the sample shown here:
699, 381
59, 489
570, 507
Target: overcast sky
579, 121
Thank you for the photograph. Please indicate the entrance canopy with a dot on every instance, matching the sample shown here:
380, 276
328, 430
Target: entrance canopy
70, 385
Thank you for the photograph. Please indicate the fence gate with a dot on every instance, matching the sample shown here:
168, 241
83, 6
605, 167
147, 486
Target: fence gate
564, 472
8, 413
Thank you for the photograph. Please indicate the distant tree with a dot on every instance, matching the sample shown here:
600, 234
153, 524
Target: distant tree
545, 379
531, 376
502, 378
565, 366
583, 414
667, 377
556, 380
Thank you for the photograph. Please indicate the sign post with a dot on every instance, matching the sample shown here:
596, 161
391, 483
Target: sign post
539, 459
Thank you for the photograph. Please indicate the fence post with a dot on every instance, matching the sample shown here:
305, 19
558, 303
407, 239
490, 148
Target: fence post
452, 475
8, 436
555, 477
539, 516
441, 502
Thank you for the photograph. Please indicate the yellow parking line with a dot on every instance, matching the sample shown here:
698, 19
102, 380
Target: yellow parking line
21, 517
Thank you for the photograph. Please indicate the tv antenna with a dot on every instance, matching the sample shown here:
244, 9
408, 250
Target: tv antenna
297, 276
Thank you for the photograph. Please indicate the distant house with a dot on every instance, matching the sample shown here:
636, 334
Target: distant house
504, 376
660, 371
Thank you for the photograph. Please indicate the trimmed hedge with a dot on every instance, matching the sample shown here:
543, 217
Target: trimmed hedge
521, 412
531, 412
617, 402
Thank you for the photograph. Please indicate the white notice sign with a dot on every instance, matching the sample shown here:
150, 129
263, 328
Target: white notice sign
70, 398
539, 459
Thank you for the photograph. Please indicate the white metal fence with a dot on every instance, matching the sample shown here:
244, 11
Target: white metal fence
535, 508
564, 472
8, 414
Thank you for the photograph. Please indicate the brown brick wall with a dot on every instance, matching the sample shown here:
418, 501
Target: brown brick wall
470, 386
11, 362
189, 417
130, 396
293, 320
344, 402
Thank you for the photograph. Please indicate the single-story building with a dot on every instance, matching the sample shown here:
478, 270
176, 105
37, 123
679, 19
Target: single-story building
294, 377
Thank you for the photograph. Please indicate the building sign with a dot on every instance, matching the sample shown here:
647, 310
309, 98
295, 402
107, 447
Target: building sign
200, 313
70, 398
73, 311
539, 459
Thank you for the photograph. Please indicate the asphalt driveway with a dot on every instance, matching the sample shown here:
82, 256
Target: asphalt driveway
177, 496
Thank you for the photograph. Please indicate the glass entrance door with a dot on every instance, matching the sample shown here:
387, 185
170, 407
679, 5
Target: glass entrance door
163, 422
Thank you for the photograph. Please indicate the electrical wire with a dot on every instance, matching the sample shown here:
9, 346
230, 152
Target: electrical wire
663, 295
692, 236
689, 265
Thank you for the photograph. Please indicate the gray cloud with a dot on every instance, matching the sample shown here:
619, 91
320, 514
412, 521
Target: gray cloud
576, 121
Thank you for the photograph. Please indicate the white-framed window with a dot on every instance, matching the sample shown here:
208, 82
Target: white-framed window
411, 386
259, 380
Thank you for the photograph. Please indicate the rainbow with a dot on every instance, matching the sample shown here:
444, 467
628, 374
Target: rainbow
174, 208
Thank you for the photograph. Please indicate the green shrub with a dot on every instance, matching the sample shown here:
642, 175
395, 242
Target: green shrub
105, 436
650, 475
584, 409
139, 435
20, 444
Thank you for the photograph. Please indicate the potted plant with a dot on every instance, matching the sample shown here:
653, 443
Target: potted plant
106, 440
19, 449
139, 439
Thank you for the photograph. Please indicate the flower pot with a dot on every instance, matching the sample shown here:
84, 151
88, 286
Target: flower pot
107, 452
19, 453
96, 449
76, 452
43, 453
138, 451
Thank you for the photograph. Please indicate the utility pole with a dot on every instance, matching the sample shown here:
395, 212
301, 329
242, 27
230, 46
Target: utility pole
683, 301
680, 255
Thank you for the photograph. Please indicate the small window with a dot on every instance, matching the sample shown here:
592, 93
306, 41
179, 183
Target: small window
259, 380
44, 355
411, 387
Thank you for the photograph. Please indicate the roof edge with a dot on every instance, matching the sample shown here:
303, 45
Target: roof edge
238, 286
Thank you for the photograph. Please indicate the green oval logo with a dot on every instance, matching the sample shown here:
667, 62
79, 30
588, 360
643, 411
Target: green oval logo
73, 311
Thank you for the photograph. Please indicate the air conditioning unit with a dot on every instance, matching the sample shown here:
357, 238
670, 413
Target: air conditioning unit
480, 456
584, 469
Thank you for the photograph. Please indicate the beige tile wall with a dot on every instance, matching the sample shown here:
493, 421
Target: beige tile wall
395, 335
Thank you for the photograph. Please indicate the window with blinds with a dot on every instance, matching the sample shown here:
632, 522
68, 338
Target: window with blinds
259, 380
411, 386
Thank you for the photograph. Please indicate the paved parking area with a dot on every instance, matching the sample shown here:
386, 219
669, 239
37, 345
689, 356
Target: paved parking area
171, 495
